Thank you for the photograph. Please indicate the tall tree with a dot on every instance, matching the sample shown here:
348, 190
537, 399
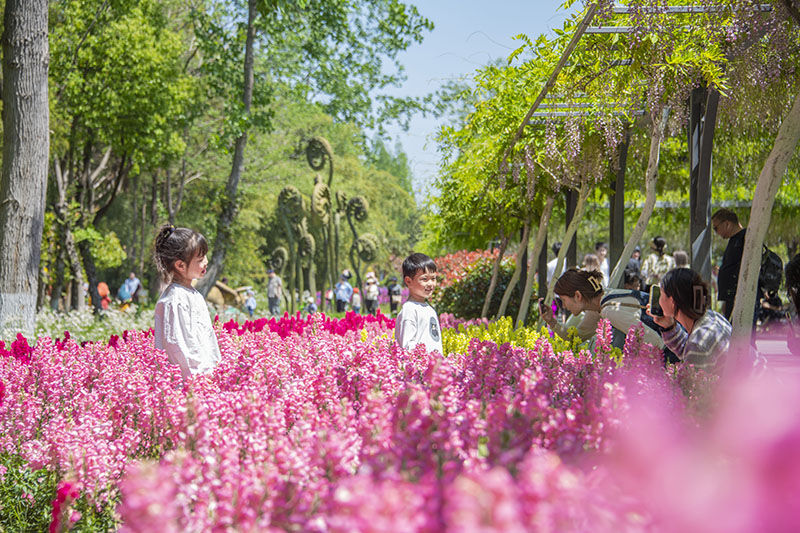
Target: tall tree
318, 48
107, 126
26, 144
230, 203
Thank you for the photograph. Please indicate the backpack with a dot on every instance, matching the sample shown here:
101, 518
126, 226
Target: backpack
123, 293
771, 273
644, 299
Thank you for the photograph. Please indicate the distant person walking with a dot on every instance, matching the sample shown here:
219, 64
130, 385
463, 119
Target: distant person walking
395, 295
601, 251
591, 263
343, 292
250, 303
371, 293
635, 262
681, 259
133, 286
726, 224
274, 292
657, 263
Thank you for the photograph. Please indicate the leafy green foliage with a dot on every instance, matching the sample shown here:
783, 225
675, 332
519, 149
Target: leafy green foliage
26, 496
106, 249
117, 72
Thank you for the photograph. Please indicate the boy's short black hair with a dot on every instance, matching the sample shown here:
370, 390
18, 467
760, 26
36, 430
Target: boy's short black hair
416, 262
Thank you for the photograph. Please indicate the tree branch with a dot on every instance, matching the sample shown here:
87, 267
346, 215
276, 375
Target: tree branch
122, 172
99, 169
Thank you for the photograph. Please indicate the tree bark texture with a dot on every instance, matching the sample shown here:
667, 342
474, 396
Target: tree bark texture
769, 181
649, 202
495, 272
533, 253
523, 244
26, 146
85, 248
230, 202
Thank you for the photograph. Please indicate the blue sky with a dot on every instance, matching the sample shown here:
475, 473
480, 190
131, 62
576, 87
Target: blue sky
467, 35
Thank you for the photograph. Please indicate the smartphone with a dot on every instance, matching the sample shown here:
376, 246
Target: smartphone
542, 308
655, 296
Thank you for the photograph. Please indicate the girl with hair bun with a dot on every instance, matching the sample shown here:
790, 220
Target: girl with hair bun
583, 294
697, 334
182, 323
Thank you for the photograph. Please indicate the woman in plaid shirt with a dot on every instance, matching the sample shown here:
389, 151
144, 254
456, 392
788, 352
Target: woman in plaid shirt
695, 333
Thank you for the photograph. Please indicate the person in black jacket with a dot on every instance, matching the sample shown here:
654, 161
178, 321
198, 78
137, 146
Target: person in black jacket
726, 224
793, 290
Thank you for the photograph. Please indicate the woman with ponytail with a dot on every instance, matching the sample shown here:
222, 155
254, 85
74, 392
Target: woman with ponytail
657, 263
696, 333
583, 294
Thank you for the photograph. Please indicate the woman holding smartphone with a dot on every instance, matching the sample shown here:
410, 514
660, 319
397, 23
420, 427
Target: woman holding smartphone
582, 294
697, 334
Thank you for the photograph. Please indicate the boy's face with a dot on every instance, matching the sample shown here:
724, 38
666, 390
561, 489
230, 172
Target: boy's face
421, 286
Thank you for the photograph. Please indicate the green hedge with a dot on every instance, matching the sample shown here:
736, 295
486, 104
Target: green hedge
464, 297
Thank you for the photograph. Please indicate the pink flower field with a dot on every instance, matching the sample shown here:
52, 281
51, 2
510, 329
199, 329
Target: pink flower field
316, 424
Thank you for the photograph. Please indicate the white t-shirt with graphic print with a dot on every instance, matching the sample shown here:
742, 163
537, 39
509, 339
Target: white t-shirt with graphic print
416, 324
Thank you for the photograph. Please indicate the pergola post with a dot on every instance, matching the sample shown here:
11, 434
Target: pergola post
702, 121
571, 199
543, 269
616, 205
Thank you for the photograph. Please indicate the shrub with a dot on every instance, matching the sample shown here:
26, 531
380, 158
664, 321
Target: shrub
464, 281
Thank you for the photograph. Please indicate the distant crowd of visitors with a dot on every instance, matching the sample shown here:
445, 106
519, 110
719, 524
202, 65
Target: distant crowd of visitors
670, 300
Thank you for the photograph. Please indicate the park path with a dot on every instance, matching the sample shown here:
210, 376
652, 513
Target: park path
778, 355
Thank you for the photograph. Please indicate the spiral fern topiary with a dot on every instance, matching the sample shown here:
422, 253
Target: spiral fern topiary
358, 208
307, 246
367, 246
317, 151
279, 258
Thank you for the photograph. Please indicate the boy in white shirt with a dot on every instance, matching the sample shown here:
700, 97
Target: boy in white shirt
418, 322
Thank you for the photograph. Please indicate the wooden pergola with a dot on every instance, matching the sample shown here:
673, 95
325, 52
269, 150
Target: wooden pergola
703, 103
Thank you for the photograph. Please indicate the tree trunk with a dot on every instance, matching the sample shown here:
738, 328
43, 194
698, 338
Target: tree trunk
58, 286
91, 275
573, 227
26, 146
61, 210
75, 268
230, 203
495, 273
533, 253
134, 248
649, 202
142, 215
523, 244
769, 181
